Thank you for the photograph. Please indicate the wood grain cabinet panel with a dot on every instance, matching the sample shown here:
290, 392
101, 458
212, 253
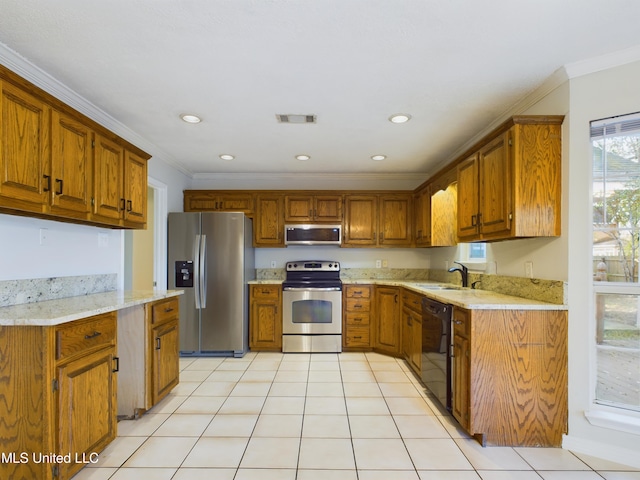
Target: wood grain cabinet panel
162, 348
313, 208
218, 201
265, 323
357, 311
378, 220
268, 229
513, 362
388, 321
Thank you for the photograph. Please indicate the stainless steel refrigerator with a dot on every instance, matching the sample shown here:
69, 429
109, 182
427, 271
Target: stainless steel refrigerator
211, 258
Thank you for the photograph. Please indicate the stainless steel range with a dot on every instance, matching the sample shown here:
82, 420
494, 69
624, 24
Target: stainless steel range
312, 307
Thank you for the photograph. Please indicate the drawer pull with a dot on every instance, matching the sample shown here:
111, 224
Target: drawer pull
357, 306
93, 335
357, 292
357, 319
360, 336
158, 343
168, 309
117, 362
458, 322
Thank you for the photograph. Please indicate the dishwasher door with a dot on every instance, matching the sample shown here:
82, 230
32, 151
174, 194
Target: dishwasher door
436, 349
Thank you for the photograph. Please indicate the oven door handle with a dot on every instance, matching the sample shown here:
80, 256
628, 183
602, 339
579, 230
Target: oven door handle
311, 289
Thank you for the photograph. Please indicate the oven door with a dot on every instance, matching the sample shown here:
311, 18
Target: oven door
311, 311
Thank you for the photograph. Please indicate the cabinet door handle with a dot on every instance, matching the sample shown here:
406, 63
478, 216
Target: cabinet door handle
92, 335
473, 221
381, 236
60, 184
458, 322
122, 203
117, 362
129, 205
158, 343
48, 179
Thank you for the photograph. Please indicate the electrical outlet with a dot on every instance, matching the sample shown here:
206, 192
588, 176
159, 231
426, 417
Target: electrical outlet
103, 240
44, 236
528, 269
378, 263
273, 264
385, 264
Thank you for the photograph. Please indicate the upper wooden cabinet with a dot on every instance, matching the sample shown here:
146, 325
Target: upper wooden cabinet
378, 220
422, 215
55, 162
268, 229
510, 186
218, 201
313, 208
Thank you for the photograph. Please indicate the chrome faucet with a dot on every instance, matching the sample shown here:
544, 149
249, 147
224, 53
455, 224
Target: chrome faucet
464, 273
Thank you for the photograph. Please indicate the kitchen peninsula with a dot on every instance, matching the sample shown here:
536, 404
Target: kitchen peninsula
71, 366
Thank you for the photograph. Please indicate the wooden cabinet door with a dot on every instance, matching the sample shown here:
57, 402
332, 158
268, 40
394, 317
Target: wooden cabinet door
268, 228
415, 345
108, 169
396, 219
361, 220
135, 189
298, 208
266, 326
327, 208
388, 326
86, 407
166, 369
461, 377
24, 150
422, 216
468, 208
70, 164
235, 202
495, 186
406, 334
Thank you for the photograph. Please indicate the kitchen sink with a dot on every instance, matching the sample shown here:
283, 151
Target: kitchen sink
429, 286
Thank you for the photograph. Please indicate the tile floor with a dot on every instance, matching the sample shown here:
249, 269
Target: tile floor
349, 416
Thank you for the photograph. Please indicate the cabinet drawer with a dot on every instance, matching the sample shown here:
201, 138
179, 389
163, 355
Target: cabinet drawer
264, 292
356, 318
461, 322
357, 337
412, 300
357, 291
86, 334
164, 310
358, 305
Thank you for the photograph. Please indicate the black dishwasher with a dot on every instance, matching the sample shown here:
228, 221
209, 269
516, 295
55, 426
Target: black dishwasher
436, 349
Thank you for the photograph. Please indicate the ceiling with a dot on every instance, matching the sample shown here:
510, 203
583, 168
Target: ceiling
455, 66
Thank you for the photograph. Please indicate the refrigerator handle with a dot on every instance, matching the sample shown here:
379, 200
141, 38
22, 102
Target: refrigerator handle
196, 270
203, 271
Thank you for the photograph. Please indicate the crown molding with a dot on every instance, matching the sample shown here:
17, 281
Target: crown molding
27, 70
603, 62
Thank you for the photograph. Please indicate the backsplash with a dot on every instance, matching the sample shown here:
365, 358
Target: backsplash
359, 273
550, 291
16, 292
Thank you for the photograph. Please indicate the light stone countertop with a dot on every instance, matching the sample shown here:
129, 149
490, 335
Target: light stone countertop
56, 312
462, 297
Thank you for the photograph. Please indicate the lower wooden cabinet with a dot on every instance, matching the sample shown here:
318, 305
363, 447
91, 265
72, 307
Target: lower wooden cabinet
58, 395
510, 375
387, 325
412, 330
162, 349
356, 326
265, 323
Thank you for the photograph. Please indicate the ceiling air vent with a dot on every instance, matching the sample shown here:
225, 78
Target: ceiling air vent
291, 118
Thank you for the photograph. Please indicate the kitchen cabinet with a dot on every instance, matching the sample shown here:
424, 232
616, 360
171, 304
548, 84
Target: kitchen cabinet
357, 317
510, 185
313, 208
218, 201
59, 395
422, 210
387, 323
383, 220
513, 362
265, 322
444, 199
412, 330
268, 228
162, 348
56, 163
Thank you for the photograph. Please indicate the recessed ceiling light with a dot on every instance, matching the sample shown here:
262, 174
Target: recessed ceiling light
399, 118
303, 157
378, 157
226, 156
187, 117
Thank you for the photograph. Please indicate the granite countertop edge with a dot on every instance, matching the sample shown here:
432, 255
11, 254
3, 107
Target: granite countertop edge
468, 298
63, 310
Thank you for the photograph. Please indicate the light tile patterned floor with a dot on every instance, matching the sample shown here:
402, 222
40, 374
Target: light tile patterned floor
349, 416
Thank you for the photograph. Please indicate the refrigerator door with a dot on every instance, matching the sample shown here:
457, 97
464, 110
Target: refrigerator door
183, 232
222, 320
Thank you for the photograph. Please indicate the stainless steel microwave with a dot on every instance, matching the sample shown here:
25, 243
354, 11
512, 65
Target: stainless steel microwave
313, 234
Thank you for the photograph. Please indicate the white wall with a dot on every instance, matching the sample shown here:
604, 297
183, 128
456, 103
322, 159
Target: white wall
348, 257
594, 96
68, 250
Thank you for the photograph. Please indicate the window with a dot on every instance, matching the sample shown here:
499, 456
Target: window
616, 253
